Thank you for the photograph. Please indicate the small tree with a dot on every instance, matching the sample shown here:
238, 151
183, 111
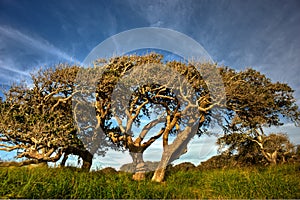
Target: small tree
266, 149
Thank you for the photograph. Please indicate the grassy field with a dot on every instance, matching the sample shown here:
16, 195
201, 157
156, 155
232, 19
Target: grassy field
269, 182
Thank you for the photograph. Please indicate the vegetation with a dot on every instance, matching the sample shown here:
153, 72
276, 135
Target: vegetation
111, 97
254, 103
37, 121
250, 102
278, 182
263, 150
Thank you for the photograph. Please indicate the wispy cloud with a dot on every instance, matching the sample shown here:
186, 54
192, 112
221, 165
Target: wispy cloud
7, 64
161, 13
288, 128
22, 53
199, 149
34, 42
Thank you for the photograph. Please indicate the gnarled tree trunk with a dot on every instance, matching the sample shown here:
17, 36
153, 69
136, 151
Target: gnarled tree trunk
84, 154
139, 165
271, 157
173, 152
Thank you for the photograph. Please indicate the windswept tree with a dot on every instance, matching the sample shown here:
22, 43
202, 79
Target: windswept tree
254, 102
134, 88
185, 98
37, 121
114, 97
122, 101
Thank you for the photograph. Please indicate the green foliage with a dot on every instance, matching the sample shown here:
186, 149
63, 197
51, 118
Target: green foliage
265, 182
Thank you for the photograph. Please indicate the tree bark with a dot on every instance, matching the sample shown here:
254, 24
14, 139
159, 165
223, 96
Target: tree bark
160, 171
84, 154
87, 159
271, 157
274, 158
173, 152
65, 158
139, 165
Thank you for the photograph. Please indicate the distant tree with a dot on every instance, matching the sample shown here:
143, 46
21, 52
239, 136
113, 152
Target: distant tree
254, 102
272, 148
217, 162
298, 149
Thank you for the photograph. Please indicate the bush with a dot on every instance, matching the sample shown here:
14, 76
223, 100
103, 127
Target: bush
109, 170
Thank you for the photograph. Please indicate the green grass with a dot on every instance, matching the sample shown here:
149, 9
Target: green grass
269, 182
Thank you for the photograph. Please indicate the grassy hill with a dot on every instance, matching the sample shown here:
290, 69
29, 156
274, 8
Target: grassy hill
260, 182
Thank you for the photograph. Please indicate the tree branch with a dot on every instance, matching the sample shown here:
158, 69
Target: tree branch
146, 129
152, 139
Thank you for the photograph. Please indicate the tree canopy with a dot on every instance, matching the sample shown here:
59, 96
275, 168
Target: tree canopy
83, 111
37, 120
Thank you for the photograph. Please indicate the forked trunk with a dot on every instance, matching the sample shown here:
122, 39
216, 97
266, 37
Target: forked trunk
271, 157
173, 152
274, 158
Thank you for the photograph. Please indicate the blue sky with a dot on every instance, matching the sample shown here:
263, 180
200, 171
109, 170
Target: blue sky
263, 34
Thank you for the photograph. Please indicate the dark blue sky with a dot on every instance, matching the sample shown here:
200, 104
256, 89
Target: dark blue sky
263, 34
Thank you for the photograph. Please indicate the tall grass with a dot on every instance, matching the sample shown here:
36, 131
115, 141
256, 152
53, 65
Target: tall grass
269, 182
